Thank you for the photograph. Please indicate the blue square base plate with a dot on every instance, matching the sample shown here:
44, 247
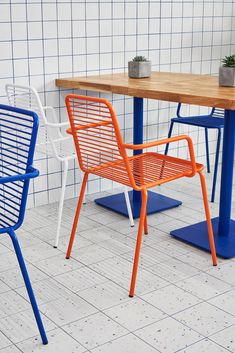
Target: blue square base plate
197, 236
156, 203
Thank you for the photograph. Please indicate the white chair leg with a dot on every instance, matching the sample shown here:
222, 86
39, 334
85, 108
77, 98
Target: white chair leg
128, 205
64, 180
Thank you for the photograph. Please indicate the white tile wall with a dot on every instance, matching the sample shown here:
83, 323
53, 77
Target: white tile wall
43, 40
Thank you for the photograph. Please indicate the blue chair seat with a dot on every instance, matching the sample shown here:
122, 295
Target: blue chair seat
202, 121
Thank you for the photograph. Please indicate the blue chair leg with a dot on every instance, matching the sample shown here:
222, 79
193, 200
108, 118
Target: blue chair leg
169, 135
28, 286
207, 151
216, 166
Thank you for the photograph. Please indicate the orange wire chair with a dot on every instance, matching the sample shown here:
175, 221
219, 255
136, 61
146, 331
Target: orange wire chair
101, 151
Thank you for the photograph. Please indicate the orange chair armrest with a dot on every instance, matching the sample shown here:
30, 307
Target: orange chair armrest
69, 130
165, 141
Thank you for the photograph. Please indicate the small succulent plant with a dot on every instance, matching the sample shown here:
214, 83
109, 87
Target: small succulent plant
139, 58
229, 61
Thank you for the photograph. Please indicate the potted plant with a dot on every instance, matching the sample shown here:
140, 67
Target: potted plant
227, 71
139, 67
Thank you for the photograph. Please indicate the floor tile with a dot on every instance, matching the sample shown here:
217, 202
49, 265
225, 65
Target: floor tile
127, 344
171, 299
57, 265
99, 234
155, 236
21, 326
4, 341
173, 270
46, 291
25, 239
95, 330
116, 247
225, 302
3, 287
11, 302
135, 314
200, 259
48, 233
35, 221
79, 243
204, 346
67, 309
225, 338
205, 319
148, 256
80, 279
91, 254
224, 272
168, 335
84, 224
105, 217
120, 270
39, 252
10, 349
9, 262
59, 342
14, 279
105, 295
204, 286
172, 247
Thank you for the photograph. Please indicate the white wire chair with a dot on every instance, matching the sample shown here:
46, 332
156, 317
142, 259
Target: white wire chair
51, 140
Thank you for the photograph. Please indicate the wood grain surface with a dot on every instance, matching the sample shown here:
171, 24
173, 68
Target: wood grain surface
167, 86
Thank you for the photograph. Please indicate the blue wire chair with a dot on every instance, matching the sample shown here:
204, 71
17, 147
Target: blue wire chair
214, 120
18, 132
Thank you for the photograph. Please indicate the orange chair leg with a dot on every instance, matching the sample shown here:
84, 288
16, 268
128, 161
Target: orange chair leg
145, 225
75, 222
208, 219
138, 242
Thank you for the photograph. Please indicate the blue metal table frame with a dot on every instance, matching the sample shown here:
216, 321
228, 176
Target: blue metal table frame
223, 226
156, 202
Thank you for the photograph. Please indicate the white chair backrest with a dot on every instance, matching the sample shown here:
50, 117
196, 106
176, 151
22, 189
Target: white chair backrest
27, 97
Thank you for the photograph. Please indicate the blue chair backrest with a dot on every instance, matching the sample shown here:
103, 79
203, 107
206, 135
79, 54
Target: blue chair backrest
215, 112
18, 132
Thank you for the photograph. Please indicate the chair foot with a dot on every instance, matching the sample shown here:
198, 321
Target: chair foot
131, 296
55, 246
67, 257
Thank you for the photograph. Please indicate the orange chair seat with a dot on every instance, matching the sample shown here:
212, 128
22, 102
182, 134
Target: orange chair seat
149, 169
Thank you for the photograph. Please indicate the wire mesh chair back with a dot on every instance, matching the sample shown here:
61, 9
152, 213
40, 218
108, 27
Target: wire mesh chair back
18, 131
217, 113
27, 97
95, 130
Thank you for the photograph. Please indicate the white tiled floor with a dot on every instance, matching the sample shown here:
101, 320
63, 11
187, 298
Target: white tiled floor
182, 303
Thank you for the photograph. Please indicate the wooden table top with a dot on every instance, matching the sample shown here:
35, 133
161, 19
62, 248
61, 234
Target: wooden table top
173, 87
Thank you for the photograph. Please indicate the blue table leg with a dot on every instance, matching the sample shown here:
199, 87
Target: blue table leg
156, 202
223, 226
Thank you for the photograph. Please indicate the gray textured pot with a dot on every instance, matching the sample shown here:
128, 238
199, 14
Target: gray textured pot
226, 76
139, 69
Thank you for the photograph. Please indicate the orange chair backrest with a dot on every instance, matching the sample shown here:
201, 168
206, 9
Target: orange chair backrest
95, 130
